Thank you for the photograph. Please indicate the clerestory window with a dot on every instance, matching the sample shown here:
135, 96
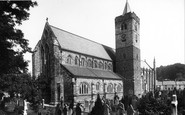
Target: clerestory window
69, 58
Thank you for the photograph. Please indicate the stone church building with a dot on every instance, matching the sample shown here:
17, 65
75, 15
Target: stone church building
80, 68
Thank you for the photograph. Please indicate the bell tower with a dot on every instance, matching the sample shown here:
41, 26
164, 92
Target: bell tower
127, 29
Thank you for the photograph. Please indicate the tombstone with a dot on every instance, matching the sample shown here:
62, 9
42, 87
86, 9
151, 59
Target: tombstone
174, 104
43, 103
25, 108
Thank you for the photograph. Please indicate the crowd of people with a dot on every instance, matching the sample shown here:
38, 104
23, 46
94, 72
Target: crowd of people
102, 106
128, 105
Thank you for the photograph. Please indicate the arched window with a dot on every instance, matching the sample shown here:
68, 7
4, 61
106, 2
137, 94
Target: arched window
119, 88
47, 60
84, 88
123, 26
110, 88
135, 26
95, 64
89, 63
69, 58
82, 62
100, 65
105, 65
136, 38
137, 57
98, 86
110, 66
42, 58
76, 60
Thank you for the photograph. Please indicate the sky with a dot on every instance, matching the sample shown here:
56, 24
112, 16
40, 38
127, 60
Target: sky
161, 25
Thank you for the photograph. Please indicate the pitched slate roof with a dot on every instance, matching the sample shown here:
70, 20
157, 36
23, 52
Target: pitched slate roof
79, 44
91, 73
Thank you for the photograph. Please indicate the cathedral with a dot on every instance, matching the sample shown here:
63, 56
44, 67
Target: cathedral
79, 68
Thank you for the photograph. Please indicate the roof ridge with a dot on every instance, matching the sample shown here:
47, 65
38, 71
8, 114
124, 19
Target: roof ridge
80, 36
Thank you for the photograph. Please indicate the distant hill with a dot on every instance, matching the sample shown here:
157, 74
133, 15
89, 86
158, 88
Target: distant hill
171, 72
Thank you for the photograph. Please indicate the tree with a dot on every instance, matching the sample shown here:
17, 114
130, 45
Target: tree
22, 84
12, 42
148, 105
44, 86
13, 45
98, 108
171, 72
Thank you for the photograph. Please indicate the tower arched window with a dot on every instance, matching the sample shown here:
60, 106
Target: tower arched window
119, 88
69, 59
123, 26
84, 88
76, 60
135, 27
136, 38
110, 88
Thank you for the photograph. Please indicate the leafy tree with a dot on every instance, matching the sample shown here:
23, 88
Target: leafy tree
148, 105
44, 87
98, 108
15, 84
35, 94
12, 42
22, 84
13, 45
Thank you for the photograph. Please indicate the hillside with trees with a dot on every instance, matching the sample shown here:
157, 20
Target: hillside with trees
171, 72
